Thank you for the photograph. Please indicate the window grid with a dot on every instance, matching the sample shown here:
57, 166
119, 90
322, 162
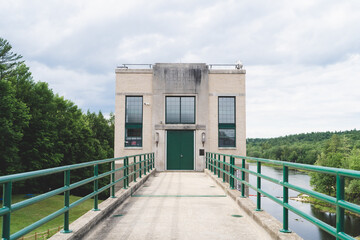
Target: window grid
180, 110
133, 121
226, 124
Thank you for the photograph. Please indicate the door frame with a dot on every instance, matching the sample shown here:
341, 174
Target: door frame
166, 144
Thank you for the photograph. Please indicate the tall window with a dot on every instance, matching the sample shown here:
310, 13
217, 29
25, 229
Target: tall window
133, 121
180, 110
227, 130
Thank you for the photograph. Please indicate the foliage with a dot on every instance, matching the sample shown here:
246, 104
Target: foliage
300, 148
35, 212
331, 149
39, 129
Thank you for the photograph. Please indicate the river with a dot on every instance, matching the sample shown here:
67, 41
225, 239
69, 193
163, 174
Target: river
302, 227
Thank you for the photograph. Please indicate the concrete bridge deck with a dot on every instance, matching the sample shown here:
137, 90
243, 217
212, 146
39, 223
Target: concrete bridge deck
178, 205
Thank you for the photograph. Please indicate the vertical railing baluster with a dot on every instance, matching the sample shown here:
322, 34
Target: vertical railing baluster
145, 164
340, 183
215, 164
66, 202
231, 180
211, 161
258, 185
96, 188
140, 166
243, 178
206, 163
124, 173
154, 160
285, 201
223, 167
127, 171
113, 179
7, 191
134, 168
148, 162
218, 170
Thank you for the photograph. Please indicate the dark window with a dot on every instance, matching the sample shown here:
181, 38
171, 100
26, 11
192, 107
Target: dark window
227, 130
133, 121
180, 110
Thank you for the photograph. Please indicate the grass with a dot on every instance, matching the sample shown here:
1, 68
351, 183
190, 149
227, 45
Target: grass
35, 212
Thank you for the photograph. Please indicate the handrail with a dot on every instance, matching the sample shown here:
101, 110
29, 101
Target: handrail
216, 165
146, 164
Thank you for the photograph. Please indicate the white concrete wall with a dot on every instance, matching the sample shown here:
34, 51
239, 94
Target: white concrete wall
133, 83
214, 83
227, 83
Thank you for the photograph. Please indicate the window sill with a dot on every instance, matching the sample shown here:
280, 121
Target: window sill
227, 148
133, 148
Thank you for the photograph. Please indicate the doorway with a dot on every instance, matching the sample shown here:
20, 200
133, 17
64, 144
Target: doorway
180, 150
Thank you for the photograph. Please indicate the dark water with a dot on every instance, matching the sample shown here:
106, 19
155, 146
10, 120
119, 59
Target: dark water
297, 224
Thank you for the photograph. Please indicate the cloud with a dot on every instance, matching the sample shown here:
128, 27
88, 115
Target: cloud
89, 91
285, 99
301, 56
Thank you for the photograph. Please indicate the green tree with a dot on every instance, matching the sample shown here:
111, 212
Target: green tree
8, 59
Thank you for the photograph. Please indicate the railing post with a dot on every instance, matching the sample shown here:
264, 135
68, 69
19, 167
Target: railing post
153, 157
215, 164
211, 167
243, 178
140, 166
206, 163
285, 201
218, 170
148, 165
66, 202
232, 161
124, 173
223, 167
7, 191
339, 210
209, 161
96, 188
145, 166
127, 171
153, 160
113, 179
258, 195
134, 168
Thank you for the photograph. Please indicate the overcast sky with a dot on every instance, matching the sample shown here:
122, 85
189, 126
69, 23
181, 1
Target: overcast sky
302, 57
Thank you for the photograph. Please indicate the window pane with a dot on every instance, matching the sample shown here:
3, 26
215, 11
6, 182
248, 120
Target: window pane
226, 110
134, 109
133, 137
173, 110
226, 137
187, 110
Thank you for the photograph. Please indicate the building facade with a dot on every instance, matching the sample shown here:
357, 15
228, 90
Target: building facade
179, 111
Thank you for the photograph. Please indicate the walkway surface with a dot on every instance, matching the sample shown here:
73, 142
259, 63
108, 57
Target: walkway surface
178, 205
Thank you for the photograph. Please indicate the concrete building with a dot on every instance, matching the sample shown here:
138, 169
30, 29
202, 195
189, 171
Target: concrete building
179, 111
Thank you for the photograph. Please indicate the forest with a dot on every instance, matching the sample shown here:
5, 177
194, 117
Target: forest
331, 149
40, 129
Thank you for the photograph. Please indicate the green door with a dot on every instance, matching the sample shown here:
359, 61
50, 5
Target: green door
180, 150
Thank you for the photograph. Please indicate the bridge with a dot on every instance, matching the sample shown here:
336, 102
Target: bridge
178, 205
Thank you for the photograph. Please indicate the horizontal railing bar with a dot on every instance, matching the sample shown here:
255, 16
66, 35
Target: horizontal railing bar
349, 206
311, 193
322, 169
4, 210
22, 204
212, 162
37, 224
326, 227
44, 172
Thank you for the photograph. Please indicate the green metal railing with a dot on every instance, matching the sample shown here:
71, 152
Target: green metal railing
215, 164
141, 164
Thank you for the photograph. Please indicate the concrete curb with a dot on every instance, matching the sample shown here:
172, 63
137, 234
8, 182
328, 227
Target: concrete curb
264, 219
87, 221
